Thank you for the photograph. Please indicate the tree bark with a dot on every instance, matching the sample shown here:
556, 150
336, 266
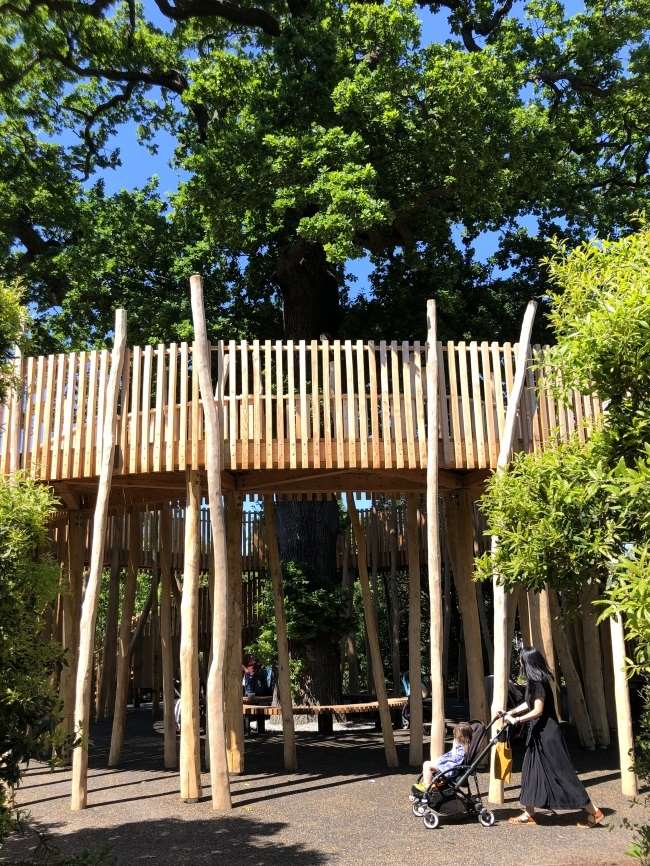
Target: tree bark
112, 617
309, 288
393, 598
349, 644
166, 640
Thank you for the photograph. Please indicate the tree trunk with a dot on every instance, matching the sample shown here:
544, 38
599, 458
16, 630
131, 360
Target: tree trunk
166, 640
309, 288
349, 643
393, 598
112, 617
415, 618
233, 685
307, 533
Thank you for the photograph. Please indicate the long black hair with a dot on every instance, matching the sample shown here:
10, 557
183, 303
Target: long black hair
533, 665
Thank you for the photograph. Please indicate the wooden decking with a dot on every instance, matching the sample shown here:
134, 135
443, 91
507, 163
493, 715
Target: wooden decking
287, 407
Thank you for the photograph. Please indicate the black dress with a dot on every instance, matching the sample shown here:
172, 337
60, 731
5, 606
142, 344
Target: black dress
548, 779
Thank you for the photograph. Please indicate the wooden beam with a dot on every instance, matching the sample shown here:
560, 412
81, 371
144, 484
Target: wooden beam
166, 642
124, 640
284, 679
370, 616
91, 597
501, 646
415, 650
433, 540
629, 783
214, 462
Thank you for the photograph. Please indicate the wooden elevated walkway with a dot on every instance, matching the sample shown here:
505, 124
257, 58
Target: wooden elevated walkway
319, 415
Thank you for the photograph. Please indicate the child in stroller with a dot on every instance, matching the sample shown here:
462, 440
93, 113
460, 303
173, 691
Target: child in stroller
445, 787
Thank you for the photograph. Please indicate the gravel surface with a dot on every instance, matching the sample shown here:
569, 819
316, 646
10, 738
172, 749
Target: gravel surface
343, 808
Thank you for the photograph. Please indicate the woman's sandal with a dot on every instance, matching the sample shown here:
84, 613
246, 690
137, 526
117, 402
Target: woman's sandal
592, 821
524, 818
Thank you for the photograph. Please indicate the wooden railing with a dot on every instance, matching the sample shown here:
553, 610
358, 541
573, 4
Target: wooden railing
286, 405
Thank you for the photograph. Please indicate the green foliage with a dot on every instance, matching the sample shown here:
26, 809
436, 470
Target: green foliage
640, 848
28, 582
12, 321
312, 615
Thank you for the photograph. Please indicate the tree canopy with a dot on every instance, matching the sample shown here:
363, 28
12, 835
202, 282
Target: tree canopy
312, 133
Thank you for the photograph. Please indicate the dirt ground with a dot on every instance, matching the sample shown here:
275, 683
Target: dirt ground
343, 808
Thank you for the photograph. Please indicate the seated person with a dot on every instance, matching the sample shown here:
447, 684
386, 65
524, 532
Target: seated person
451, 760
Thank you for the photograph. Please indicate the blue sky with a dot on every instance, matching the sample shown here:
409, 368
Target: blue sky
138, 164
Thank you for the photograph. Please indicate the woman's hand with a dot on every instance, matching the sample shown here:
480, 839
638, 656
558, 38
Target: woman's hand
509, 719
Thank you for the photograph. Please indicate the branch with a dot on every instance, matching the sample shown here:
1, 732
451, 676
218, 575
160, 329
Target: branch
91, 119
551, 79
250, 17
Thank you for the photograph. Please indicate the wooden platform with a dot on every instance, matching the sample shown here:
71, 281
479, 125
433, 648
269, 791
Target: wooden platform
297, 416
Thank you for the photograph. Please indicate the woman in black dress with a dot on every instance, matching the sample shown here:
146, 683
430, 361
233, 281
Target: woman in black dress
548, 780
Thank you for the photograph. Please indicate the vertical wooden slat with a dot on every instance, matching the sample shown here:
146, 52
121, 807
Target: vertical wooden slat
509, 379
80, 416
352, 410
315, 406
91, 416
182, 421
170, 427
407, 374
101, 407
498, 388
47, 420
232, 402
59, 401
146, 408
580, 427
67, 415
268, 403
244, 406
38, 412
338, 406
374, 406
279, 397
363, 405
304, 415
134, 429
196, 411
385, 406
477, 401
291, 405
466, 404
444, 410
488, 387
257, 407
327, 407
159, 416
536, 399
123, 466
397, 407
459, 454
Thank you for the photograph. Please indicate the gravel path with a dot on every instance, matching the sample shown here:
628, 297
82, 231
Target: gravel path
342, 809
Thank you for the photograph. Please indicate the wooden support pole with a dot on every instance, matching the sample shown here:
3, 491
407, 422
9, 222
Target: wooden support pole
166, 644
284, 678
107, 695
349, 643
372, 631
575, 695
501, 645
629, 784
594, 682
416, 718
233, 685
212, 411
433, 539
71, 592
91, 597
393, 597
123, 669
190, 757
460, 534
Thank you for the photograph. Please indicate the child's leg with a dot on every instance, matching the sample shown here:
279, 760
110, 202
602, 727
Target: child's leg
428, 769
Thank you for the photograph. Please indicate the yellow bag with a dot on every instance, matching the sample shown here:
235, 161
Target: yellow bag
503, 762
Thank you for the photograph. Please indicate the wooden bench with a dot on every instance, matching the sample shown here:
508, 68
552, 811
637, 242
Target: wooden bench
261, 709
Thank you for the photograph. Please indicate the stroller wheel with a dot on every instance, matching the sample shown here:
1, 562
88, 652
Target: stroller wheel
431, 819
419, 808
486, 818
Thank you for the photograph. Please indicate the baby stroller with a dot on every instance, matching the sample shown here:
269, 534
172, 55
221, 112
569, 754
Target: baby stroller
450, 792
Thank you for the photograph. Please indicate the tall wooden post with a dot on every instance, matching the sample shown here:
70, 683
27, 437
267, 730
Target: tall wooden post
213, 451
190, 758
71, 593
460, 531
433, 539
393, 597
91, 597
416, 720
106, 700
349, 642
123, 669
233, 686
501, 646
623, 712
594, 682
284, 679
166, 645
372, 631
575, 695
